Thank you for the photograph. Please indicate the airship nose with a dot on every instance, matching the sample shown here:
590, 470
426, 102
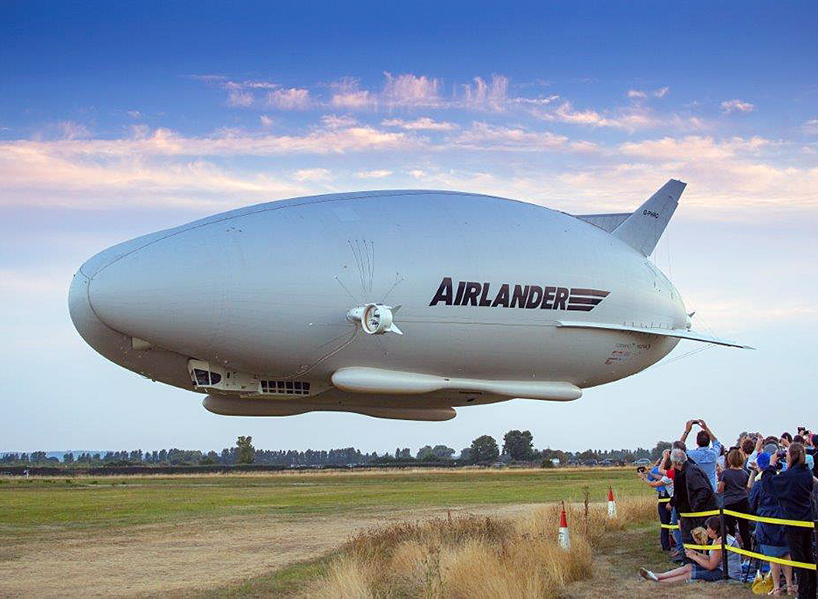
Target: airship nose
167, 293
94, 331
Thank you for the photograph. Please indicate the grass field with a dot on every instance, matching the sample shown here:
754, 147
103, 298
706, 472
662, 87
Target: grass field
85, 502
262, 534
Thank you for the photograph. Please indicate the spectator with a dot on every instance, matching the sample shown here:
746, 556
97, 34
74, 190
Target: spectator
663, 486
793, 489
670, 472
704, 455
771, 539
813, 439
733, 486
704, 566
691, 492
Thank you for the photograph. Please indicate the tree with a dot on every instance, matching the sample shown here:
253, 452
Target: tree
484, 449
442, 452
465, 455
519, 445
426, 453
68, 458
656, 452
247, 453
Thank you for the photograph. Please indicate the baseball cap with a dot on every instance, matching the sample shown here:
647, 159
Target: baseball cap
763, 460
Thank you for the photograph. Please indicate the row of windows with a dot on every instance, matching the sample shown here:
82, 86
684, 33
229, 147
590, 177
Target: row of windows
287, 387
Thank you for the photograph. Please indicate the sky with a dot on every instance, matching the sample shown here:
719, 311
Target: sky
119, 119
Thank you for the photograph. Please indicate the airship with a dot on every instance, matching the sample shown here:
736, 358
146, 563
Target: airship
403, 304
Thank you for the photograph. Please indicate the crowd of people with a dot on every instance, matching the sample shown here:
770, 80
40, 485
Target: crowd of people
767, 476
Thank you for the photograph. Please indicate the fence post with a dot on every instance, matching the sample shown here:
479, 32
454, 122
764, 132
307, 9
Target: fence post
725, 574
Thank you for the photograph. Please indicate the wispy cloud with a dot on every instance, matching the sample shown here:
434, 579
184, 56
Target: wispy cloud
312, 174
410, 90
347, 94
486, 96
420, 124
630, 119
375, 174
483, 136
729, 106
289, 99
811, 126
640, 94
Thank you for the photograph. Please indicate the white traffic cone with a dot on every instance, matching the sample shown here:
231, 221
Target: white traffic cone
611, 504
565, 538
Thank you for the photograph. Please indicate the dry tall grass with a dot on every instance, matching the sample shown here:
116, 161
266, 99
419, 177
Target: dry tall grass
473, 557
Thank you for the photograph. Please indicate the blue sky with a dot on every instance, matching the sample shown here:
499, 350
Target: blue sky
120, 119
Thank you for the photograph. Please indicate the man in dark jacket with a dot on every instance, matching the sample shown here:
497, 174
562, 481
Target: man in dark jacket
692, 493
793, 489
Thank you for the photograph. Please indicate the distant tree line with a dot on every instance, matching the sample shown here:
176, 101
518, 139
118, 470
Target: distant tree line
517, 446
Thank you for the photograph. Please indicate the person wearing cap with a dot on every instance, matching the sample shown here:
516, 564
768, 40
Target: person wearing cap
770, 538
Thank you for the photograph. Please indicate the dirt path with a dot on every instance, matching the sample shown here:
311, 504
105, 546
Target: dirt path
184, 556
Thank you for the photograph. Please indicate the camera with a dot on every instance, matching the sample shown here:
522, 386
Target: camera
641, 469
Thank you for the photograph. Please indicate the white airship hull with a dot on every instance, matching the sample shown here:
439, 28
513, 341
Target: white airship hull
480, 288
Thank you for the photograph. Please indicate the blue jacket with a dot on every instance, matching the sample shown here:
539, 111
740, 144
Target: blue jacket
763, 502
793, 489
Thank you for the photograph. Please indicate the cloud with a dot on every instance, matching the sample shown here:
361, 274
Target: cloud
729, 106
347, 94
811, 126
227, 142
134, 114
312, 174
420, 124
239, 93
483, 136
630, 119
239, 98
66, 130
411, 91
486, 96
638, 94
163, 167
692, 148
289, 99
376, 174
723, 175
333, 121
265, 121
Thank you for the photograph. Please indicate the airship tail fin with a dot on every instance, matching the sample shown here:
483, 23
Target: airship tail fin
643, 228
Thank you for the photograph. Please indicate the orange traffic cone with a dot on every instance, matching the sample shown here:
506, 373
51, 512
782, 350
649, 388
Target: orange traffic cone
565, 538
611, 504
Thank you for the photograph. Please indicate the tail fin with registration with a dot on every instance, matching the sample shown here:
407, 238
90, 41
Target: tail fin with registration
643, 228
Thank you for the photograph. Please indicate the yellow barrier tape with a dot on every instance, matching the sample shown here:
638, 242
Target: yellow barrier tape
700, 514
664, 499
770, 520
767, 558
670, 526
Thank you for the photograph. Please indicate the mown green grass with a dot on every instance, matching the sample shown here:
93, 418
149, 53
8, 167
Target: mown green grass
121, 501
